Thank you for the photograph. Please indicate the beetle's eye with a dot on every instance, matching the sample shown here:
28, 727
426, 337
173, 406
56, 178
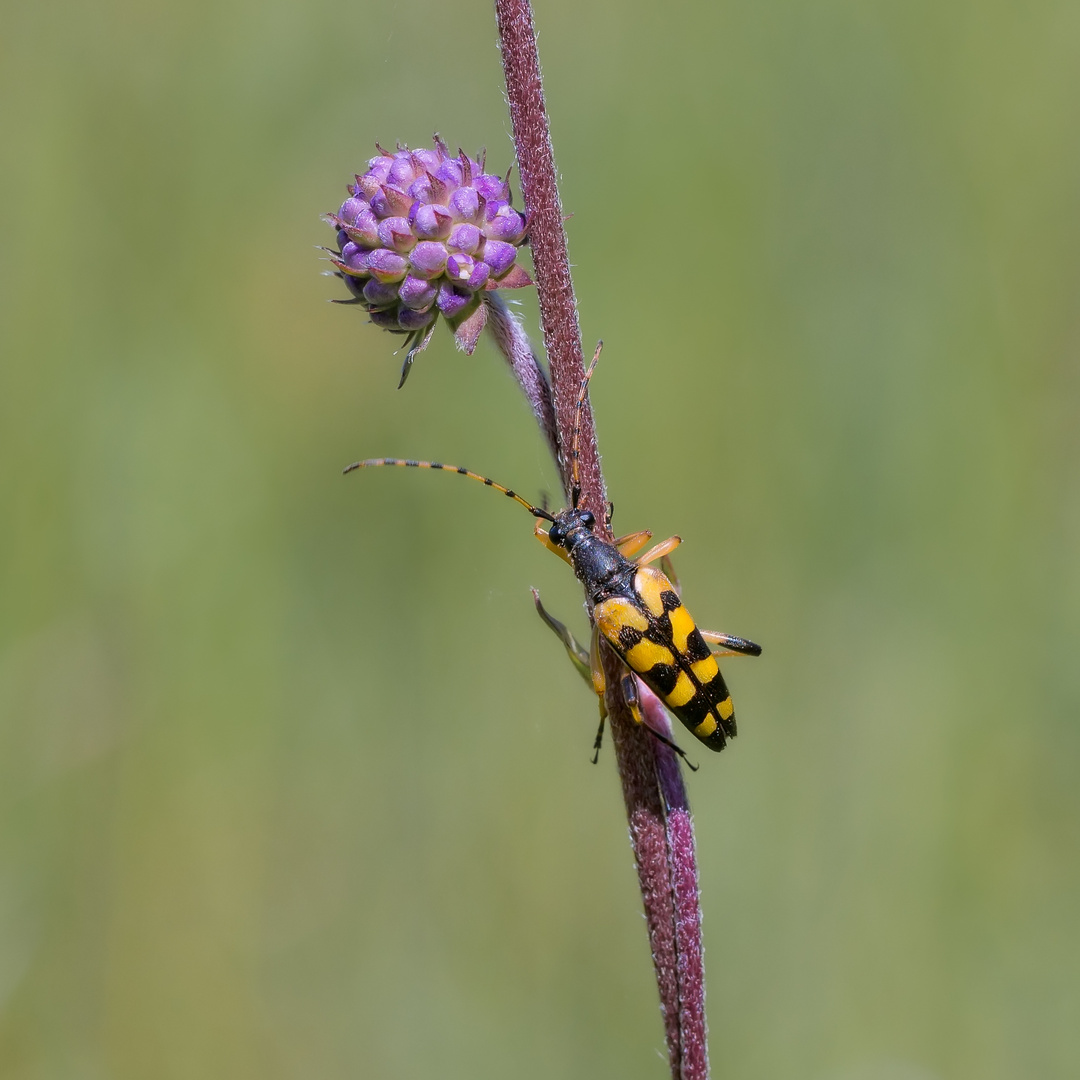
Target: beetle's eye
556, 534
588, 520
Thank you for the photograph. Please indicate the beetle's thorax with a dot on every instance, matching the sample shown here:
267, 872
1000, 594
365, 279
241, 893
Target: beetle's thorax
597, 563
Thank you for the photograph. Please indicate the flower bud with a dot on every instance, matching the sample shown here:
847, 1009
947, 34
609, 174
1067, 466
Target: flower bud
464, 239
499, 256
421, 234
394, 232
417, 293
430, 221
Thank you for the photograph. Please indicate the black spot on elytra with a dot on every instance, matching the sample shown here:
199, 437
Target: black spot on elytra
662, 677
696, 646
716, 689
695, 710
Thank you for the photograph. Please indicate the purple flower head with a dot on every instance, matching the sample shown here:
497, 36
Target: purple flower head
424, 233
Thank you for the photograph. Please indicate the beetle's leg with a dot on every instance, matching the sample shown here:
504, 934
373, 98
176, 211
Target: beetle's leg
542, 536
599, 685
632, 542
579, 656
599, 680
609, 513
673, 746
599, 740
660, 550
733, 646
630, 692
633, 702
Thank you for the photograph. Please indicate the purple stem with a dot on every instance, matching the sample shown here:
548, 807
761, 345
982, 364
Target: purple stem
687, 906
661, 828
543, 210
505, 327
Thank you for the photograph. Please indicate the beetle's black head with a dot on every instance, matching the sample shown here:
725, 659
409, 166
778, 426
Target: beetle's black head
568, 523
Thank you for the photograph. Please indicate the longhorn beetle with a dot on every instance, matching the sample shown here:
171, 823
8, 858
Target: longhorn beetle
633, 605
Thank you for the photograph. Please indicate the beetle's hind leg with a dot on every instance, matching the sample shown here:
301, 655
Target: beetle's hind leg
732, 646
660, 550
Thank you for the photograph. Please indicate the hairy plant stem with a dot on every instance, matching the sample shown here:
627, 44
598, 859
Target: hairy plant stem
512, 341
661, 829
547, 238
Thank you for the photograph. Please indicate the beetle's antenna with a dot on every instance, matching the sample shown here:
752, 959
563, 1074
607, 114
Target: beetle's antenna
372, 463
575, 466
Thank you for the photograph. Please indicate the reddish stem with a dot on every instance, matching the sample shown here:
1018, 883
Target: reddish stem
686, 899
661, 828
554, 286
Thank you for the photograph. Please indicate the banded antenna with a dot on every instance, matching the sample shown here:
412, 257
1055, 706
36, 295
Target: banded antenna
373, 463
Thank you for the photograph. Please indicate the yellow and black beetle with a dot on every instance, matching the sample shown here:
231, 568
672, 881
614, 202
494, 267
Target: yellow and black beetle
634, 606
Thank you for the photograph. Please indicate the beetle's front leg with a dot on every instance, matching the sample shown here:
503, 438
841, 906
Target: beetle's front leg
632, 542
542, 536
586, 662
579, 657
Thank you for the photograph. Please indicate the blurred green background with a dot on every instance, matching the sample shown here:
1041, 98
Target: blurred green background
294, 784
